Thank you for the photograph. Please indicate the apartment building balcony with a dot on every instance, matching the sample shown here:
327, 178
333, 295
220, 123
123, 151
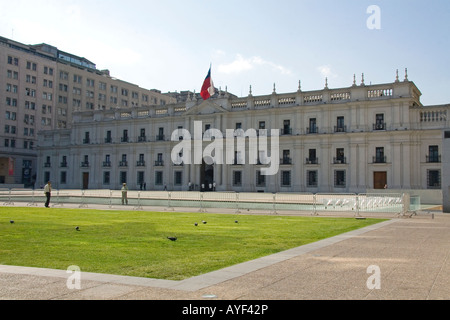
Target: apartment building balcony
123, 164
142, 139
85, 164
312, 130
159, 163
379, 126
106, 164
433, 159
339, 160
312, 161
379, 159
286, 161
285, 131
340, 129
140, 163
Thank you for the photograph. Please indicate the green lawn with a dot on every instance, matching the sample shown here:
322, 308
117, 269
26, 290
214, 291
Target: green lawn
135, 243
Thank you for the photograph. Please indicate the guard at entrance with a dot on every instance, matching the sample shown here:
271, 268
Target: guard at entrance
48, 192
124, 194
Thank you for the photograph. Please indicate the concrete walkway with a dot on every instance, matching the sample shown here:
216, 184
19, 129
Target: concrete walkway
410, 255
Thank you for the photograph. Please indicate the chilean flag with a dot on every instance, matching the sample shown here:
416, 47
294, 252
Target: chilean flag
208, 87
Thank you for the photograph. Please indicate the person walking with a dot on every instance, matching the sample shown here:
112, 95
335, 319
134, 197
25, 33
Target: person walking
124, 194
48, 192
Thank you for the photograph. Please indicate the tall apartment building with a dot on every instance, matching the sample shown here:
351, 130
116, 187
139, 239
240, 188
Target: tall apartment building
40, 88
330, 140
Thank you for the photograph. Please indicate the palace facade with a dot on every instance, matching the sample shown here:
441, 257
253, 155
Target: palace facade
330, 140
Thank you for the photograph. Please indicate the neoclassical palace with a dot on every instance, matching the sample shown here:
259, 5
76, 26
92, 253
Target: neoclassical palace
331, 140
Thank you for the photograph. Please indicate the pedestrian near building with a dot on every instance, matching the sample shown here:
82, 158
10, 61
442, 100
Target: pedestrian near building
124, 194
48, 192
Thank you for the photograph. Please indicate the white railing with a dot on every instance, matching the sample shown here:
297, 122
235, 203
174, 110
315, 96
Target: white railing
398, 203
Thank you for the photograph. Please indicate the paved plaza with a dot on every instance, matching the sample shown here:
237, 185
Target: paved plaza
410, 254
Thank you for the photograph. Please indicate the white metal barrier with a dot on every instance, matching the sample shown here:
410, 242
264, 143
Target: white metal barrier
244, 201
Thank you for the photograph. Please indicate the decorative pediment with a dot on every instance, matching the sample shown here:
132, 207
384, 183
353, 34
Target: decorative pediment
205, 107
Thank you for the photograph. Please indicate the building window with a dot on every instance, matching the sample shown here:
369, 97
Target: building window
260, 179
160, 136
158, 178
86, 139
312, 178
178, 178
379, 155
286, 178
124, 161
140, 177
339, 178
312, 157
123, 177
159, 160
433, 154
379, 122
77, 78
63, 177
46, 176
125, 136
13, 61
107, 162
237, 178
108, 138
287, 127
312, 126
340, 126
434, 179
85, 162
106, 177
63, 163
340, 158
286, 157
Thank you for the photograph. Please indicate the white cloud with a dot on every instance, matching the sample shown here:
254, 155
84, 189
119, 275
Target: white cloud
326, 71
241, 64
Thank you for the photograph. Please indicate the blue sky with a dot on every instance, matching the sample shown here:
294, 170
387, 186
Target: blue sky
169, 45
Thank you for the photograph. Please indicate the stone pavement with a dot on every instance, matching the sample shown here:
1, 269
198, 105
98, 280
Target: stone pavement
410, 255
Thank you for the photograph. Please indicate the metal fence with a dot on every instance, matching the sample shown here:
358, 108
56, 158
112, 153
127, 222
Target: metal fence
315, 204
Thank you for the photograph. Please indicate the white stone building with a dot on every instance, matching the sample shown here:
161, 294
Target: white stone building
330, 140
